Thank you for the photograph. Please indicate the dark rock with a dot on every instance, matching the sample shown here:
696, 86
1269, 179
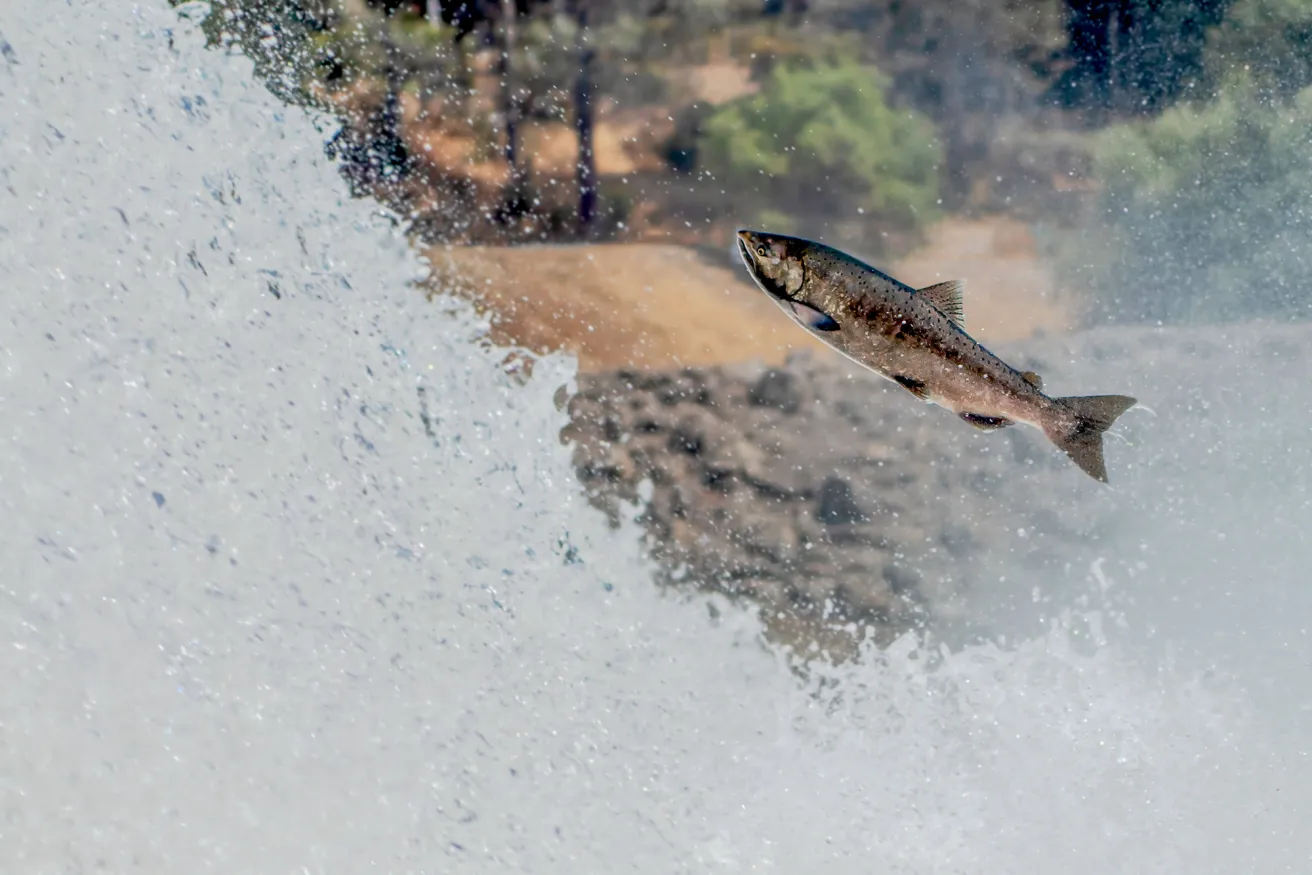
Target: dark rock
776, 389
835, 504
957, 539
685, 440
901, 579
817, 483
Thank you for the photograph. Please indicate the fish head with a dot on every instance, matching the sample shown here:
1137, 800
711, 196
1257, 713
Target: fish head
774, 261
777, 264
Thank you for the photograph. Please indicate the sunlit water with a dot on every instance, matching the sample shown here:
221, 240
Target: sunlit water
295, 580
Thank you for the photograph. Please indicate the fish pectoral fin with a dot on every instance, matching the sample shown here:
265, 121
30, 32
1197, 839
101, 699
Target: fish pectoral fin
813, 318
915, 387
1033, 379
946, 298
986, 423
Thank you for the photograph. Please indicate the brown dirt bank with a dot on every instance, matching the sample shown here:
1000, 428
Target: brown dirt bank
619, 305
660, 306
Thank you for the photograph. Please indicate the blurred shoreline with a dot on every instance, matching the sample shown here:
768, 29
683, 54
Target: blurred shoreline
651, 305
1116, 192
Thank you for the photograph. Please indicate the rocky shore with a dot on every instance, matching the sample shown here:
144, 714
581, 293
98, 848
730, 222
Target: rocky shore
825, 493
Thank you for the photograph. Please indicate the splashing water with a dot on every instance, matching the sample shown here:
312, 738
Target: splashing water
299, 581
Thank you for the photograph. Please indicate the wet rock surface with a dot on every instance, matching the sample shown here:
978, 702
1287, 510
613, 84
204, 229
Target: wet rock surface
825, 492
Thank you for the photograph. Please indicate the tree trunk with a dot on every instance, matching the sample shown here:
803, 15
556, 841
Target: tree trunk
583, 125
390, 144
1088, 83
509, 90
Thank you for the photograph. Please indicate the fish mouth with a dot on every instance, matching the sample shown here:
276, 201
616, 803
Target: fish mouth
770, 287
745, 250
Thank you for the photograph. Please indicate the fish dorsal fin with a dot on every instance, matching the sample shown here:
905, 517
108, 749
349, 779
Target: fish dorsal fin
946, 298
1033, 379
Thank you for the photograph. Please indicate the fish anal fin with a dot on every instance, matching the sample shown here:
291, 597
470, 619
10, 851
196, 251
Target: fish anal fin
1094, 414
946, 298
915, 387
1033, 379
986, 423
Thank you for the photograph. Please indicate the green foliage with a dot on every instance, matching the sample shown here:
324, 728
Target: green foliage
277, 35
822, 138
359, 47
1207, 211
1270, 40
547, 65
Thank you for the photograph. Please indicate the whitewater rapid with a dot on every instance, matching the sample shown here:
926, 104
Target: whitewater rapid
296, 579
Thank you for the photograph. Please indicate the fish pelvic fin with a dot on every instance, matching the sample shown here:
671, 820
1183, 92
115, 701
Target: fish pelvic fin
985, 423
1094, 415
946, 298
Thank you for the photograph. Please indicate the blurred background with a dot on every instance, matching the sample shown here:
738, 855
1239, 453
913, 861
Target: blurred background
332, 507
577, 168
990, 129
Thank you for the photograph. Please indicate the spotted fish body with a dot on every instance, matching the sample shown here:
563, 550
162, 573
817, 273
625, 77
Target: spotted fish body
917, 339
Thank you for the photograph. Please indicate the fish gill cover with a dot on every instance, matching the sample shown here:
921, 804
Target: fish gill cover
297, 579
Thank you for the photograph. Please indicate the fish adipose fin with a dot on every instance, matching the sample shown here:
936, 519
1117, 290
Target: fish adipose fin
946, 298
1094, 415
986, 423
1033, 379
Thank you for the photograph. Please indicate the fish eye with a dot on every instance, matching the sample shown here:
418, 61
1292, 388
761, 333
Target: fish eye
760, 250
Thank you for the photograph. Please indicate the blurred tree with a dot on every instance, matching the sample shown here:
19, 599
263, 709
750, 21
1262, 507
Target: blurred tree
511, 107
822, 138
1206, 211
794, 9
610, 38
584, 118
466, 16
1135, 56
976, 67
377, 154
498, 21
1269, 39
277, 35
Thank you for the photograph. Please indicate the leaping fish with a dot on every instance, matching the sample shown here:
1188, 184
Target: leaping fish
917, 338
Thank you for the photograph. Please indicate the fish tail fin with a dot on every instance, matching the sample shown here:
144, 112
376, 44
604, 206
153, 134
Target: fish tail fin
1094, 414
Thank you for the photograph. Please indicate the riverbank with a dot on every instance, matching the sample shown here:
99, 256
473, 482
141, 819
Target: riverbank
648, 305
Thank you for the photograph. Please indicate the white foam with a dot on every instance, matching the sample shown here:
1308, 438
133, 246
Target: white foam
259, 616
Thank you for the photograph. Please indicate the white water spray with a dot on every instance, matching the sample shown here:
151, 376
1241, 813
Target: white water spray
298, 581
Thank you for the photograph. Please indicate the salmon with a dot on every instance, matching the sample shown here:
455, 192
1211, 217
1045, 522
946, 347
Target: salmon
917, 338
